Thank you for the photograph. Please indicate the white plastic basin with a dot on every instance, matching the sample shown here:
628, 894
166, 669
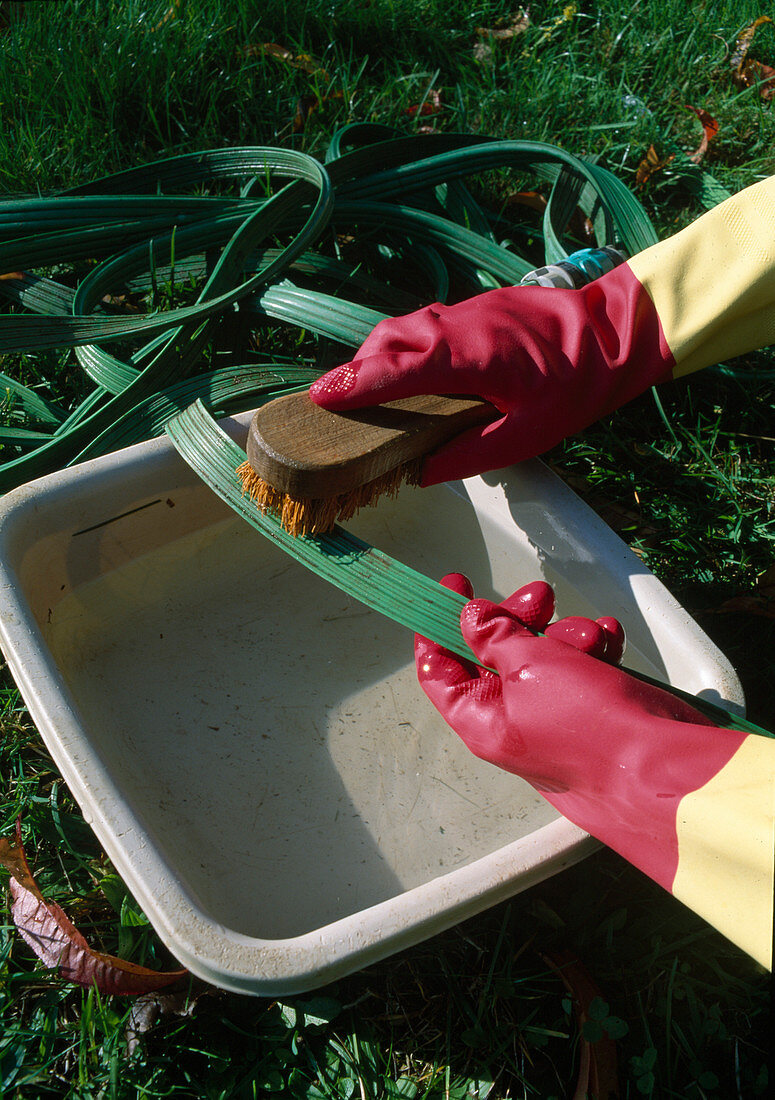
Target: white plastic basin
250, 744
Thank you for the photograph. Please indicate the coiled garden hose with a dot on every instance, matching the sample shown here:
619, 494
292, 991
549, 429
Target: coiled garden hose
253, 236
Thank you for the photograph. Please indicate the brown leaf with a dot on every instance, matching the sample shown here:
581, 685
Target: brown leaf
12, 275
760, 601
533, 199
309, 65
517, 24
431, 105
306, 105
301, 61
121, 303
746, 605
482, 51
710, 128
744, 40
650, 164
754, 72
746, 71
15, 862
579, 224
582, 226
268, 49
45, 927
147, 1008
598, 1070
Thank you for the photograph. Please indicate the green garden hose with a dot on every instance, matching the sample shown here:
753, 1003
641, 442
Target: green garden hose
253, 237
252, 234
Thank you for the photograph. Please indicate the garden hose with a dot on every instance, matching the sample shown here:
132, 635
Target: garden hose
252, 237
76, 264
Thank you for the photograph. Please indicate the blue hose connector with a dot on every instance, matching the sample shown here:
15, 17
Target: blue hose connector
580, 268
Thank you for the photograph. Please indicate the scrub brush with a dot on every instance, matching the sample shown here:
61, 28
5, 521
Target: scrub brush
312, 467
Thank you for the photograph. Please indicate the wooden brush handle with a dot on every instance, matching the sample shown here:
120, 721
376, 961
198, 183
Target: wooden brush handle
309, 452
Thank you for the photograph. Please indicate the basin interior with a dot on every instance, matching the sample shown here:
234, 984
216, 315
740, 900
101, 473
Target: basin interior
267, 729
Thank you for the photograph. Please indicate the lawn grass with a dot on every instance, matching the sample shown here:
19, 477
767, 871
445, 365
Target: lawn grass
686, 479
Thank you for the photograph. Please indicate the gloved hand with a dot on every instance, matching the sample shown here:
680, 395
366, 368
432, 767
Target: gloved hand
551, 361
611, 753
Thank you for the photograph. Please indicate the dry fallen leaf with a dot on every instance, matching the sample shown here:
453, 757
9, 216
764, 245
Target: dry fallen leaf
598, 1070
149, 1007
754, 72
746, 71
710, 128
534, 199
651, 163
121, 303
517, 24
44, 926
744, 40
306, 105
302, 61
431, 105
763, 606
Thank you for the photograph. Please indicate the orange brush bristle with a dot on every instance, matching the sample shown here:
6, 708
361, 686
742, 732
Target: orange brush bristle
317, 515
312, 467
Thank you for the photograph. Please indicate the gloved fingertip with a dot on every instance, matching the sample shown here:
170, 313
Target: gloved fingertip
615, 638
330, 388
486, 626
459, 583
583, 634
437, 666
478, 612
533, 604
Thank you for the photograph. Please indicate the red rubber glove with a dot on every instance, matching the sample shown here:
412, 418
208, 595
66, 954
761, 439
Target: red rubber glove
611, 753
551, 361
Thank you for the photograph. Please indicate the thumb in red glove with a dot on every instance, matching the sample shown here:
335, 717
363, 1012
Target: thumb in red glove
611, 753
